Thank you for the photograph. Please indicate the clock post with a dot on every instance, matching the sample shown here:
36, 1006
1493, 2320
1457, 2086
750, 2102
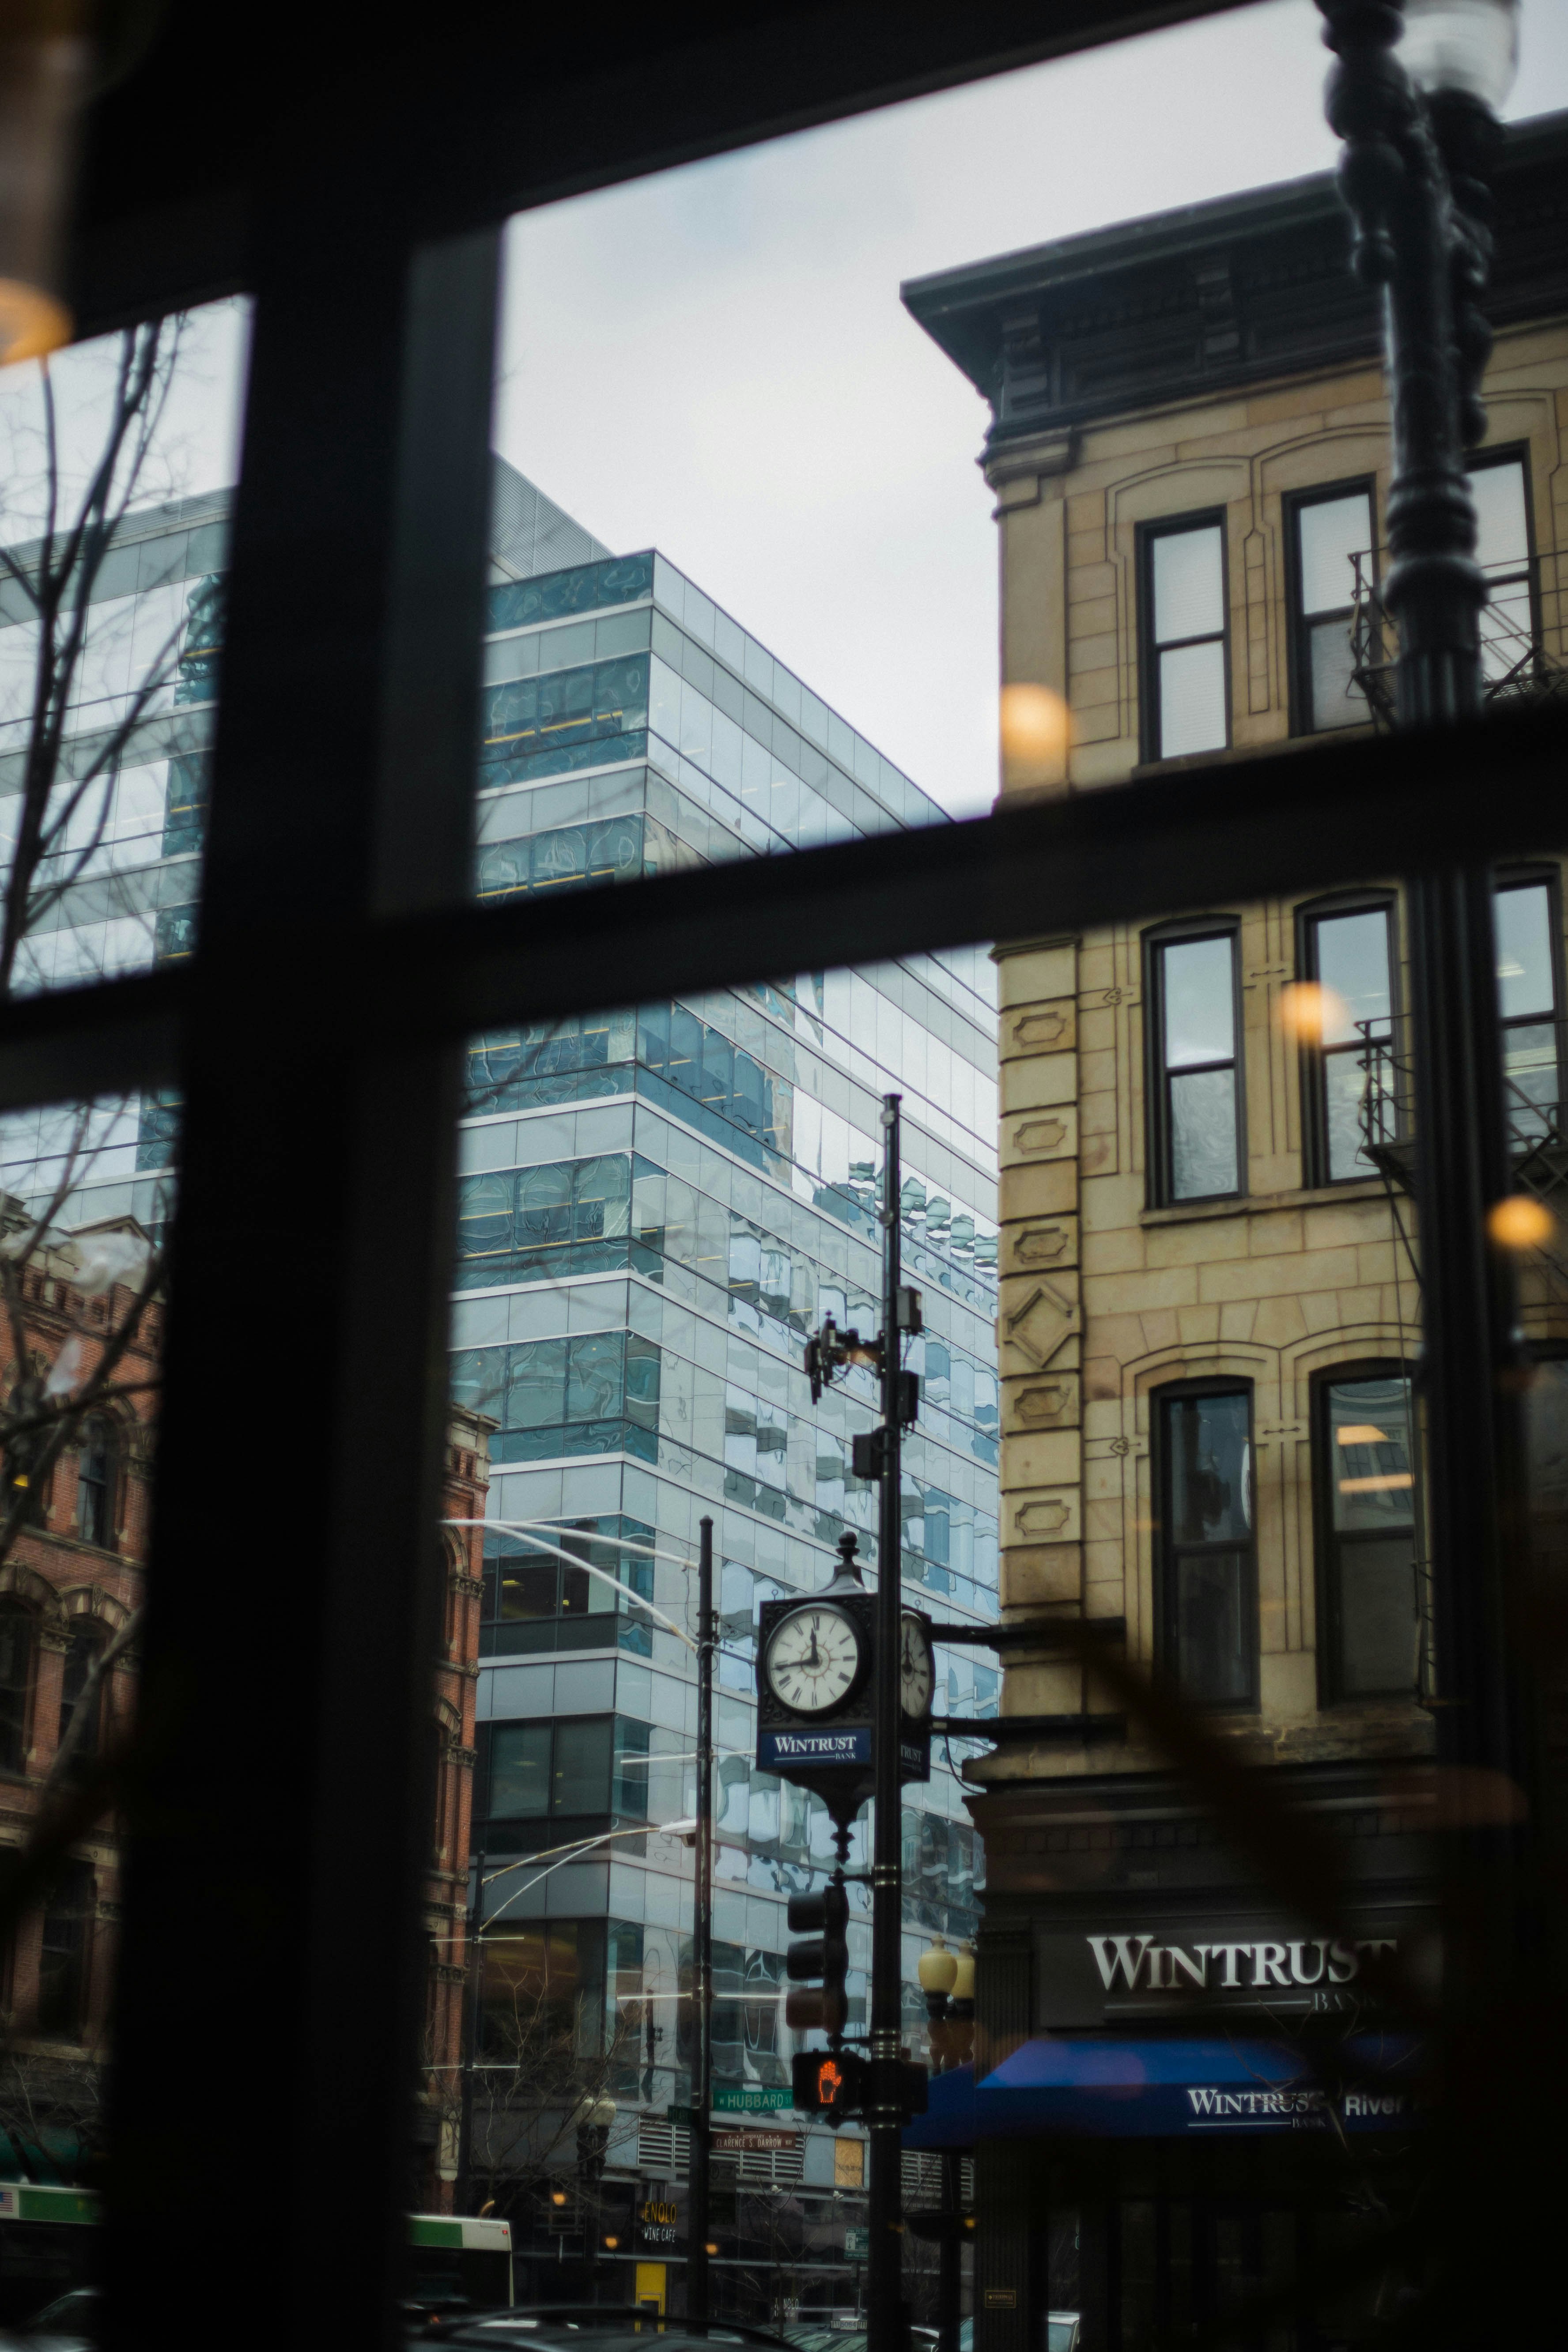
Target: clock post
884, 2279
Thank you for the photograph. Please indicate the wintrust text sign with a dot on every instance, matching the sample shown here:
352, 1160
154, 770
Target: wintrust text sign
1088, 1977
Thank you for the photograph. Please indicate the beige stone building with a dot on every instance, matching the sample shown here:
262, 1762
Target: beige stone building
1210, 1311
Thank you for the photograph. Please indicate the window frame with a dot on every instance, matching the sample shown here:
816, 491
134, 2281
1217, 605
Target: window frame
1167, 1641
1326, 1537
1149, 650
1529, 874
1158, 1186
1313, 1056
13, 1607
98, 1425
1517, 453
1298, 640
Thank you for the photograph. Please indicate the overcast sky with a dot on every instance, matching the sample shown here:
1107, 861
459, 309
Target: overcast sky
716, 362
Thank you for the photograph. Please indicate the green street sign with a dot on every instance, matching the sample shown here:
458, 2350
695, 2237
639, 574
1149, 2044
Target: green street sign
857, 2242
687, 2116
752, 2099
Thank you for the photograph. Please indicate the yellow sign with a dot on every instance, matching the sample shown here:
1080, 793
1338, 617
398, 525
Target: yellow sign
651, 2277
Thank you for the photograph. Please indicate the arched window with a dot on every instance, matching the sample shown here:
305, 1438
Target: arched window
95, 1485
15, 1682
86, 1643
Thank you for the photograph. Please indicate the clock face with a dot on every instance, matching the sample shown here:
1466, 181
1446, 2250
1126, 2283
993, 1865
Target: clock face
813, 1657
915, 1675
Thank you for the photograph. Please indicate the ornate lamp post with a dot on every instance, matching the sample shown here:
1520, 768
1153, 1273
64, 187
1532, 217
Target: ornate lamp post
1411, 96
595, 2118
947, 1980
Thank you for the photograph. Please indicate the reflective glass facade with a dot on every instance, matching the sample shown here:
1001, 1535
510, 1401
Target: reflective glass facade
656, 1205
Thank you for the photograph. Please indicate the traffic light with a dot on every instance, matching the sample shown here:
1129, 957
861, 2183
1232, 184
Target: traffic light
826, 1955
830, 2083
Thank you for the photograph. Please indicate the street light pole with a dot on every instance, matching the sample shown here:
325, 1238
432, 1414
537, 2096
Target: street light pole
885, 2261
1408, 174
703, 1940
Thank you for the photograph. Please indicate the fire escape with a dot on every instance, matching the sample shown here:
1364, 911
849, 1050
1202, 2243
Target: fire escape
1526, 602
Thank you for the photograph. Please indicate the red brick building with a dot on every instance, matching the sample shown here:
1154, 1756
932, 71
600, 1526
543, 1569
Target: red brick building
70, 1582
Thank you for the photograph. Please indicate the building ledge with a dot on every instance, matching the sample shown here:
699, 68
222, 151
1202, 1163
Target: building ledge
1253, 1204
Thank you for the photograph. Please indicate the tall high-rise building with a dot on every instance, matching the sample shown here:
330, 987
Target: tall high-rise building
656, 1205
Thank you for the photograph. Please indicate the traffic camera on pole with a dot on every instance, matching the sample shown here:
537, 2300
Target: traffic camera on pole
820, 2006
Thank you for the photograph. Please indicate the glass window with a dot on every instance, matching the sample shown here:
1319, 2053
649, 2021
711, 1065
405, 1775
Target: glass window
1502, 550
1526, 1003
15, 1683
1199, 1154
1210, 1575
86, 1643
580, 1781
63, 1953
519, 1771
1350, 955
94, 1487
1186, 637
1332, 534
1374, 1623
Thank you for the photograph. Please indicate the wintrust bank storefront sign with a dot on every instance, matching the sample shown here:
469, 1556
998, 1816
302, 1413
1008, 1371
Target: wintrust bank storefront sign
1088, 1976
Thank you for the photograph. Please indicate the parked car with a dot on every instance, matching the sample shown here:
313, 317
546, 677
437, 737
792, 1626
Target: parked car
67, 2325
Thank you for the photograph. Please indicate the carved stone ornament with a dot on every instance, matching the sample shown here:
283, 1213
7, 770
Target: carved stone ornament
1040, 1328
1044, 1133
1047, 1029
1039, 1406
1046, 1518
1042, 1246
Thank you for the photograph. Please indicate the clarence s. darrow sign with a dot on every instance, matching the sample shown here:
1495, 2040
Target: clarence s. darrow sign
1085, 1978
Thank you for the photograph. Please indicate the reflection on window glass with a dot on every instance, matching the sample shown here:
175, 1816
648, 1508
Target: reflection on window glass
1330, 532
1205, 1450
1370, 1477
1187, 620
1527, 998
1350, 957
1502, 550
1196, 994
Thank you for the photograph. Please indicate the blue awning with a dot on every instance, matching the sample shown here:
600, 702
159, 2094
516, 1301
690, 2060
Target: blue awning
1101, 2086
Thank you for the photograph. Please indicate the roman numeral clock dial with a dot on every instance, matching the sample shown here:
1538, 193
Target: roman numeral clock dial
812, 1658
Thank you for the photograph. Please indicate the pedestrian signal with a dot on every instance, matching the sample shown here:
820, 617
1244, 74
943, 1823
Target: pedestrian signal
829, 2082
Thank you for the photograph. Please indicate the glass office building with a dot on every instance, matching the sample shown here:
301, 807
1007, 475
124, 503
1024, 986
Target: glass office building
656, 1204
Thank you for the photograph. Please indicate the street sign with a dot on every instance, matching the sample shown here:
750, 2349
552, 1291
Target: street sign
856, 2244
753, 2139
750, 2099
687, 2116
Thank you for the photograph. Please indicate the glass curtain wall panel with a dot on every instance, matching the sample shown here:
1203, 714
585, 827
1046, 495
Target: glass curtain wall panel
119, 461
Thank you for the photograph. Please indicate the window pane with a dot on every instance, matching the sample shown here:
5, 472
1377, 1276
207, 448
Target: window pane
1199, 1001
1337, 701
1330, 532
581, 1775
1203, 1135
1508, 632
1530, 1073
1379, 1625
1525, 981
1369, 1439
1191, 700
1188, 584
520, 1771
1211, 1649
1344, 1090
1502, 535
527, 1588
1353, 963
1210, 1468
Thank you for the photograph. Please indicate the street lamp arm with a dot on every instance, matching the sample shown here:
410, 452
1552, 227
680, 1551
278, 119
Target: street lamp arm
526, 1535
